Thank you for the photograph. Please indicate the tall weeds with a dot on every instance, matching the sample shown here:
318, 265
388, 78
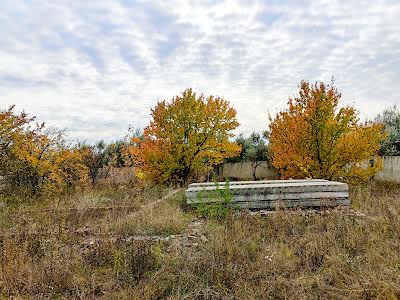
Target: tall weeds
285, 255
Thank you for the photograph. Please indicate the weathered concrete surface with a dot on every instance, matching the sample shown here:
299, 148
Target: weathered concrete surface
232, 183
273, 193
244, 170
391, 169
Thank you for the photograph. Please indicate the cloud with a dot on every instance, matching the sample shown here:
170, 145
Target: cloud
96, 67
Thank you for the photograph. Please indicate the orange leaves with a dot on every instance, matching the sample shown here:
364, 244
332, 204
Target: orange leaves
314, 138
189, 134
36, 160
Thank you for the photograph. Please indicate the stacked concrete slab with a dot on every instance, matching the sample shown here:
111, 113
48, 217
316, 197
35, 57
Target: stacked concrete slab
273, 193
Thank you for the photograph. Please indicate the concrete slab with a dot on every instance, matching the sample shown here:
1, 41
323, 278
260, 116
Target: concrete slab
231, 183
273, 193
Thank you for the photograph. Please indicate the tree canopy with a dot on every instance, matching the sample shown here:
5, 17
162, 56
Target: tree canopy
314, 138
186, 135
253, 149
390, 118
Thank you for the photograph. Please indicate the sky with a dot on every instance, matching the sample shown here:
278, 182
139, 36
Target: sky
95, 68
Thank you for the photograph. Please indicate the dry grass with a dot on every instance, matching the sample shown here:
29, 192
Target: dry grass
97, 209
166, 218
281, 256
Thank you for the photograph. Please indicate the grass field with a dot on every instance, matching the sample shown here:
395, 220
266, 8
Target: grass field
126, 243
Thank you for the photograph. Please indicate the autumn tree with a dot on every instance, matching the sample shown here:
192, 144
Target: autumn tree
11, 131
314, 138
117, 154
35, 159
186, 135
124, 148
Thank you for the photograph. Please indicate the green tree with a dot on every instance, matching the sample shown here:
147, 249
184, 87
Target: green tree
390, 118
95, 158
253, 149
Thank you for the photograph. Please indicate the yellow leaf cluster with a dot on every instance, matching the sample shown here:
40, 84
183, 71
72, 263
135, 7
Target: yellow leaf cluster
34, 160
314, 138
189, 134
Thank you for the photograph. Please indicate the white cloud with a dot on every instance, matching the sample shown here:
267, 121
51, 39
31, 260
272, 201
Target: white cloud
97, 66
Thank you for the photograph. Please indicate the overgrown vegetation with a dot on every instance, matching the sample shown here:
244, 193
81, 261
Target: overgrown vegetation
220, 207
61, 237
35, 160
190, 134
285, 255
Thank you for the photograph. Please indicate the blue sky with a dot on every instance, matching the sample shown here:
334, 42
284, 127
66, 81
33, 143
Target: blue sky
96, 67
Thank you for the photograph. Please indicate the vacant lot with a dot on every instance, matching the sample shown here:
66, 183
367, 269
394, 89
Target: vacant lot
146, 244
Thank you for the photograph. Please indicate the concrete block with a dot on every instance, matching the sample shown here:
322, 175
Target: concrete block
273, 193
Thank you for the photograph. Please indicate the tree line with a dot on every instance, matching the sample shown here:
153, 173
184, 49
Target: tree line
314, 137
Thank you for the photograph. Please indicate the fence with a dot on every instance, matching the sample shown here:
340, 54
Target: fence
391, 169
249, 171
245, 170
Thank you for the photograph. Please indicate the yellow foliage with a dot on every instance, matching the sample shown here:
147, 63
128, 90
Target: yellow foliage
187, 135
314, 138
33, 160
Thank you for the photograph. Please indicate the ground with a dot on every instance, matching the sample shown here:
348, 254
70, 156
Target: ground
119, 242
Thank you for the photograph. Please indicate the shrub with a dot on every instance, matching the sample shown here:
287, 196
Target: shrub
35, 160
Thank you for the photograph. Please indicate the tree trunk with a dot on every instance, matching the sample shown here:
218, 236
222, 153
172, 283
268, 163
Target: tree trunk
254, 165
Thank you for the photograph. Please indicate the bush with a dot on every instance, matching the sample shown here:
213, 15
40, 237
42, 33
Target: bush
35, 160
